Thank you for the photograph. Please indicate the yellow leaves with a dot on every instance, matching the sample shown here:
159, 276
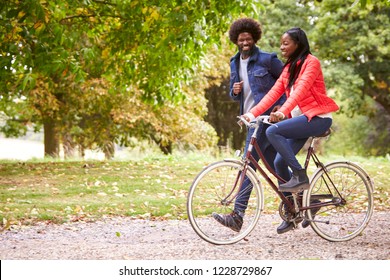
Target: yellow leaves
145, 10
151, 16
21, 14
55, 190
167, 216
6, 225
82, 11
151, 13
78, 209
38, 25
43, 99
34, 212
382, 85
134, 4
106, 53
114, 191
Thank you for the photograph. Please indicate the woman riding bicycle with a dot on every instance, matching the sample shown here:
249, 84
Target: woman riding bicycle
306, 112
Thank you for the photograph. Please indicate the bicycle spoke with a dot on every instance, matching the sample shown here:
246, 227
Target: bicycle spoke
215, 191
352, 201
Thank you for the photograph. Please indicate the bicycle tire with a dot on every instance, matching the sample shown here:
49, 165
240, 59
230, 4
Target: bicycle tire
351, 215
206, 196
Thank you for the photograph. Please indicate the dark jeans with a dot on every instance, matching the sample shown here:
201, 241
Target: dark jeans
289, 136
269, 153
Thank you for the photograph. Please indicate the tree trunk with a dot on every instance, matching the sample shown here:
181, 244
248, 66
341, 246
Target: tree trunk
166, 148
68, 145
81, 151
109, 150
51, 142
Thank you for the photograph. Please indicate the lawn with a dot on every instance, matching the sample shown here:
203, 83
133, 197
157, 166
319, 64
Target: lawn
152, 188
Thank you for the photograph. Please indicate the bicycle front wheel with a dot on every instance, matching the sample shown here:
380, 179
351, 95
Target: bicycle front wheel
214, 190
348, 191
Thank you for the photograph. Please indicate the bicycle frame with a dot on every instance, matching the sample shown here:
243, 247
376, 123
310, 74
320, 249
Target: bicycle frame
249, 159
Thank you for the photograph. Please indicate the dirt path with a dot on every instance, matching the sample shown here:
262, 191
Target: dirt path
126, 238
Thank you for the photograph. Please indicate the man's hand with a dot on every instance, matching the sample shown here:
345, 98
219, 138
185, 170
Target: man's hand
237, 87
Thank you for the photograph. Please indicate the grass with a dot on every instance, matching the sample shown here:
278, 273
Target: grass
155, 187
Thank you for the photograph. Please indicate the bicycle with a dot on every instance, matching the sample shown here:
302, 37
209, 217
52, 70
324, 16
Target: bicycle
338, 205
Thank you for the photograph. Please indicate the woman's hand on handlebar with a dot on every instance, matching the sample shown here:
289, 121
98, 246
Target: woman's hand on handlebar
243, 120
250, 120
276, 116
245, 117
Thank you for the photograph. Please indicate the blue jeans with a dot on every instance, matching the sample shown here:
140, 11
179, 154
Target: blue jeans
288, 138
269, 153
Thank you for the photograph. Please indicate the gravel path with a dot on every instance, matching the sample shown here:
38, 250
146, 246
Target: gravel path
129, 239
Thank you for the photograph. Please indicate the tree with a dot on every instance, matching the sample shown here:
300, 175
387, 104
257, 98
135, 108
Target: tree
72, 66
356, 60
42, 60
357, 43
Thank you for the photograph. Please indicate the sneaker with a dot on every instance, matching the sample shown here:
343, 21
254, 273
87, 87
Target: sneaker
232, 220
314, 211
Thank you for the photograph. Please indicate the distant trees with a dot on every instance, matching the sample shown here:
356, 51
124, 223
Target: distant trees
93, 73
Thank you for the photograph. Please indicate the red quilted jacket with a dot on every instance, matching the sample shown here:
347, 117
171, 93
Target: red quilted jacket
309, 92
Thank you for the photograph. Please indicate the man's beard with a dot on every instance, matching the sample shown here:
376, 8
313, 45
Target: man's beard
246, 53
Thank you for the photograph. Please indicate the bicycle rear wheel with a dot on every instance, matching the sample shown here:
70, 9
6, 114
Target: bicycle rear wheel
214, 190
349, 192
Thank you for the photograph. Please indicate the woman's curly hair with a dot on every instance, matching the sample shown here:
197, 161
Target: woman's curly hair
245, 25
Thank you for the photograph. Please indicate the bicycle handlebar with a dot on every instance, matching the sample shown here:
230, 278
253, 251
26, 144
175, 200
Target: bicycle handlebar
255, 122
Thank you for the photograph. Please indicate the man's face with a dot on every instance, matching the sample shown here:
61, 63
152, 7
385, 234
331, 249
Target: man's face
245, 44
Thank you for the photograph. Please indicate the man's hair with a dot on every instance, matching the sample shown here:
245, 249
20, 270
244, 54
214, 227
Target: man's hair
245, 25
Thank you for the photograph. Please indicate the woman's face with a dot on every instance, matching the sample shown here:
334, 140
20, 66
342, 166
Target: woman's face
287, 45
245, 44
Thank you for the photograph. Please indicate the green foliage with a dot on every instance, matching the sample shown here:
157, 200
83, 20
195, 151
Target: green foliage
356, 68
163, 41
348, 135
361, 135
278, 17
357, 44
104, 72
56, 55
